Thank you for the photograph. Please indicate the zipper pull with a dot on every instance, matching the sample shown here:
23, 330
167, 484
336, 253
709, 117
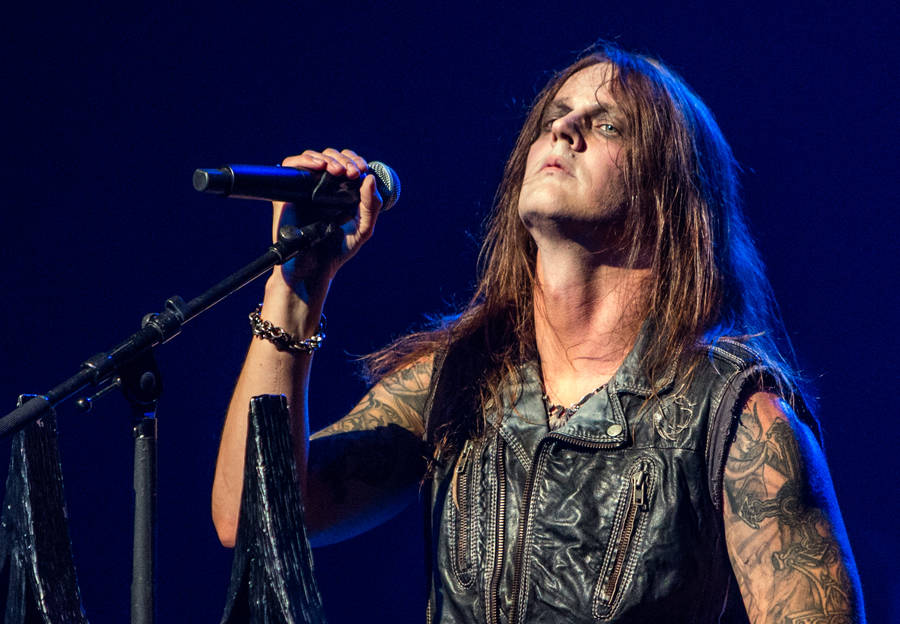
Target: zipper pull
464, 457
639, 489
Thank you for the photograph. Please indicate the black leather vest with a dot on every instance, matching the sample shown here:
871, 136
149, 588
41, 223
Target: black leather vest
614, 517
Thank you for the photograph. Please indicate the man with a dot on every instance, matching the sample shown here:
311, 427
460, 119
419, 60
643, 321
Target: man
608, 431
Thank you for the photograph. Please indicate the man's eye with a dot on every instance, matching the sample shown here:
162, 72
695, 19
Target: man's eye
608, 129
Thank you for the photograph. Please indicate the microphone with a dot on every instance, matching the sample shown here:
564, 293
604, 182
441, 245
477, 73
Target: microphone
326, 195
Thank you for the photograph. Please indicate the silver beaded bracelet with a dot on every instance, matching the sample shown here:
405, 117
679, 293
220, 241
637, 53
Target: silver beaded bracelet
282, 340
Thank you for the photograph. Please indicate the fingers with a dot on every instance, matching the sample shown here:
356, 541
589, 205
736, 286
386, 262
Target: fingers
358, 161
345, 163
307, 160
356, 231
369, 206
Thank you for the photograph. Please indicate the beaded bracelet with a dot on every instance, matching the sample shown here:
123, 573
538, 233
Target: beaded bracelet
282, 340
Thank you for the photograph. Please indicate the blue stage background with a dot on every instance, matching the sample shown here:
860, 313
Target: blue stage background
109, 107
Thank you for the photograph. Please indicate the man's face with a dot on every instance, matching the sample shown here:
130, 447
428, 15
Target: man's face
573, 174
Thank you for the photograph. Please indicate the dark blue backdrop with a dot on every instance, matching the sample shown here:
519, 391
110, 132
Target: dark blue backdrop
110, 106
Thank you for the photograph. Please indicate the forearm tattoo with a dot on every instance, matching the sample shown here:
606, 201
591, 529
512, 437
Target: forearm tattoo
777, 516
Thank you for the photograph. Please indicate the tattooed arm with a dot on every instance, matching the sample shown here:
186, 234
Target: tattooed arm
367, 467
783, 528
356, 473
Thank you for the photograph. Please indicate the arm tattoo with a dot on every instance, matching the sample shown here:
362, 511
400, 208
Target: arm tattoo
776, 511
387, 458
397, 399
379, 443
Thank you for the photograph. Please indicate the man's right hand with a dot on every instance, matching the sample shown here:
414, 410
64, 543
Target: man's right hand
310, 275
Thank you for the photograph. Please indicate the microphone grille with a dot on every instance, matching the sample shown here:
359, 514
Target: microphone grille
387, 182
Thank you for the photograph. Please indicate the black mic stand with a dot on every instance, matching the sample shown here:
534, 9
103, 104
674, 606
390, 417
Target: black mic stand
130, 365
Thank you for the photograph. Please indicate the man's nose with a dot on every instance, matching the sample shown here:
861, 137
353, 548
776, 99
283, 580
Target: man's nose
566, 129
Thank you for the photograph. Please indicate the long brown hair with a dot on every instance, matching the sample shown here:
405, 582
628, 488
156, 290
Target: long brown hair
684, 218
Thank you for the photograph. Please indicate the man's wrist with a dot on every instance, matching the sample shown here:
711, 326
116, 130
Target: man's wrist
295, 309
285, 341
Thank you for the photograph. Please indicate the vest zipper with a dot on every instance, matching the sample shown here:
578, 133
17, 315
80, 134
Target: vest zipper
637, 504
463, 536
519, 555
493, 610
622, 540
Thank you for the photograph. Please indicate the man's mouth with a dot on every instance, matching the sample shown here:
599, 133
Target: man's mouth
556, 163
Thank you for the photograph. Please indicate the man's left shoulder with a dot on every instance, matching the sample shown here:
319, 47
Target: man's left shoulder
727, 350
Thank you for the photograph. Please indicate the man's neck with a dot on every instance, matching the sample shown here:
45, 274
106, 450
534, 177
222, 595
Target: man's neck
588, 310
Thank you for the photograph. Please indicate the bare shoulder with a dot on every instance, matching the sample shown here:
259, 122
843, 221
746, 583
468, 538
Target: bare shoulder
399, 398
783, 528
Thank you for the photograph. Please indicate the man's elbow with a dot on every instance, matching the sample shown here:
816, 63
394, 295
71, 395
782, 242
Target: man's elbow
226, 527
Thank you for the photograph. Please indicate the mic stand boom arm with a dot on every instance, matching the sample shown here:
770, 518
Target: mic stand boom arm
131, 366
157, 328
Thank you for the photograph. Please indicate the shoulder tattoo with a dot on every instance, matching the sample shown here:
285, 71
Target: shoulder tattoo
777, 512
398, 399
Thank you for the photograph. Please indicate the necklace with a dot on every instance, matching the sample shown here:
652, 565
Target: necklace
558, 415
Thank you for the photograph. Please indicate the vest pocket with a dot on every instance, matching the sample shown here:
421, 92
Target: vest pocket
463, 515
628, 529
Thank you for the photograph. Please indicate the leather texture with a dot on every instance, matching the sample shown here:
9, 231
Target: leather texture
614, 517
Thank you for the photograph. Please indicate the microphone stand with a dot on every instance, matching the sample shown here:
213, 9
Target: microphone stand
130, 365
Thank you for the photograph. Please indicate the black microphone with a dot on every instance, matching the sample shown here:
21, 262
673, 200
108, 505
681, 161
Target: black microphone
327, 195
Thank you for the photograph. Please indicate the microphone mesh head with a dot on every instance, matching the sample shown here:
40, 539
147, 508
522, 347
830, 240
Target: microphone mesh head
387, 182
